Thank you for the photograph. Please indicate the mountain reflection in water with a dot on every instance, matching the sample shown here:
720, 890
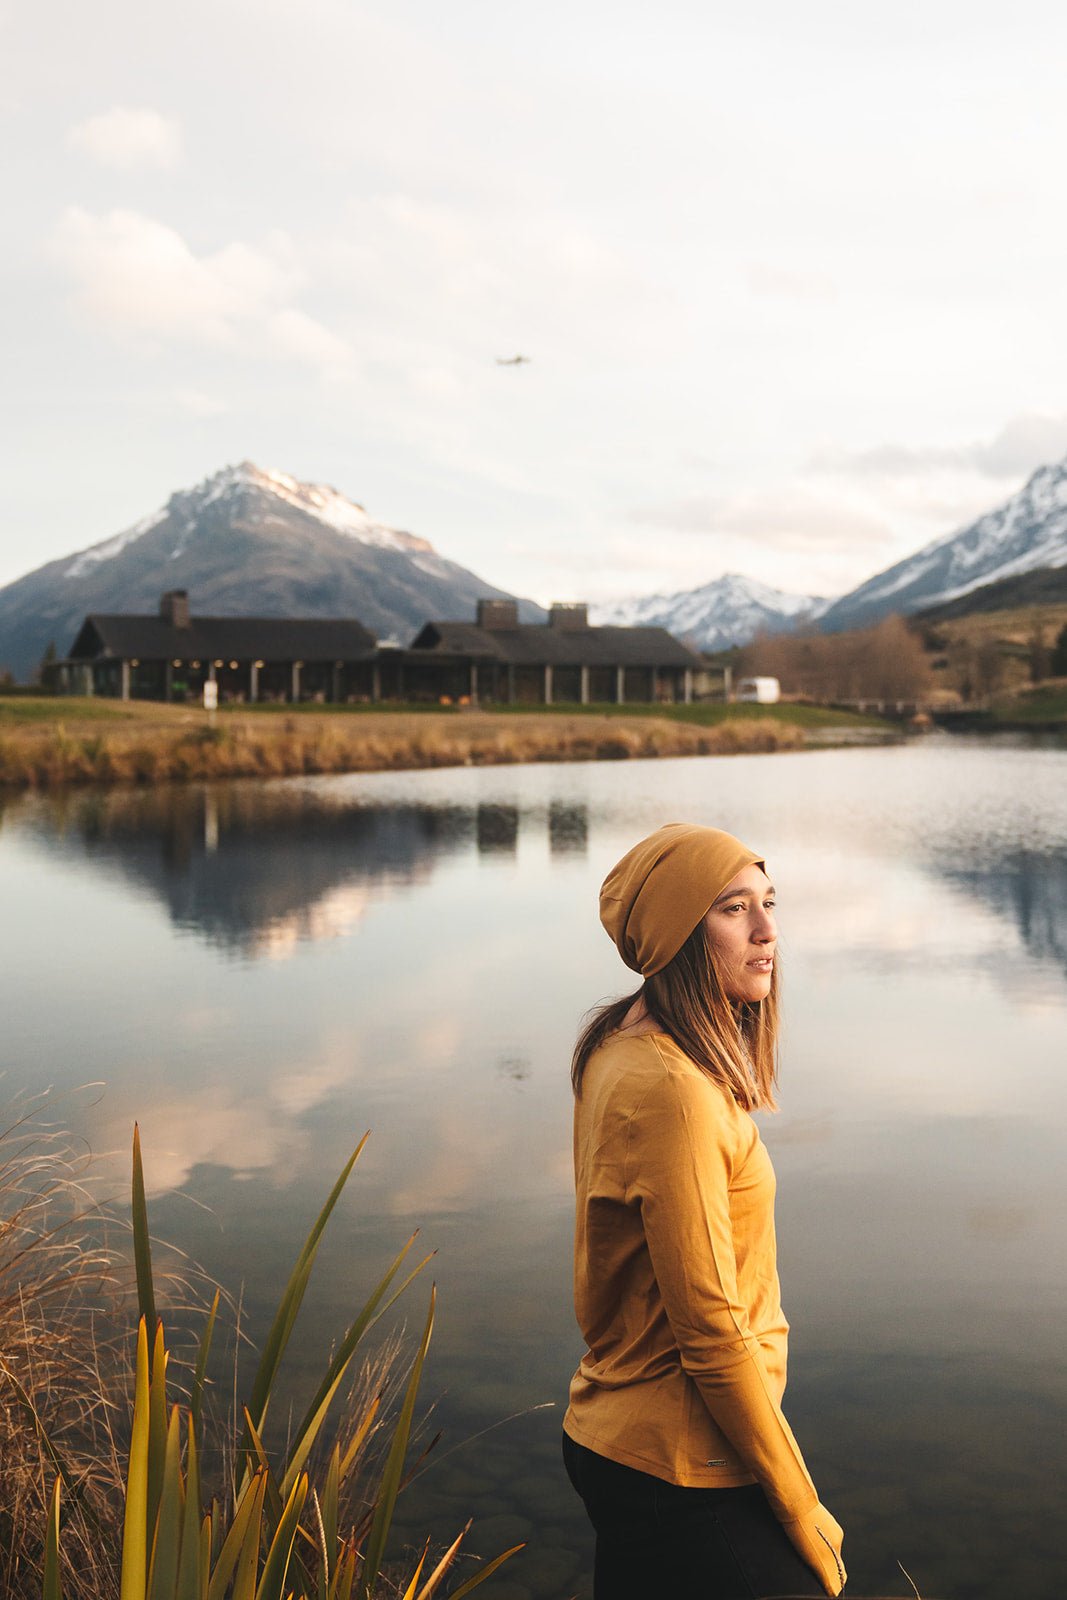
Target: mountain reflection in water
255, 870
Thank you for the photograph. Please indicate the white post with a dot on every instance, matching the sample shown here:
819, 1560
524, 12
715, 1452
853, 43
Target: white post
294, 685
584, 695
253, 682
620, 686
474, 683
548, 686
125, 691
687, 686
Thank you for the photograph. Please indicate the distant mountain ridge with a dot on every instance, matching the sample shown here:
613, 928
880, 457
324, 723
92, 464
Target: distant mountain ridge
246, 542
1027, 532
727, 611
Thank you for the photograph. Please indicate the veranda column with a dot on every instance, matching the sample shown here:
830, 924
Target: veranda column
584, 691
125, 691
548, 686
687, 685
294, 681
474, 683
620, 685
253, 683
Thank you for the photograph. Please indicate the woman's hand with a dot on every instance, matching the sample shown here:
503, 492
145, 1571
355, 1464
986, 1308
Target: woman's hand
818, 1538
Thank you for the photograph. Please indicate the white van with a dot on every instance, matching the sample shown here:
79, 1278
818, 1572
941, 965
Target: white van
759, 691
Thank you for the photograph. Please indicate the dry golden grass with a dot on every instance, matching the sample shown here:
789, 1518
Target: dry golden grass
57, 1368
174, 744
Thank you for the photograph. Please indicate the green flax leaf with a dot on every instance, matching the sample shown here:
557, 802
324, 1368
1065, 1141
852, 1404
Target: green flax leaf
197, 1397
285, 1317
394, 1468
52, 1588
142, 1251
272, 1583
135, 1520
167, 1544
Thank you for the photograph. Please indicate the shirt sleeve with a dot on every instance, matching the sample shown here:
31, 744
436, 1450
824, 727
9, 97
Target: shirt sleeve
680, 1159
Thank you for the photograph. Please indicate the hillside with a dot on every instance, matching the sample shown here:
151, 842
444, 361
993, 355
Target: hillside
252, 542
1027, 533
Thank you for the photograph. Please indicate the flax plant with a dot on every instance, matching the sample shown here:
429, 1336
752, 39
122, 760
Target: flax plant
288, 1523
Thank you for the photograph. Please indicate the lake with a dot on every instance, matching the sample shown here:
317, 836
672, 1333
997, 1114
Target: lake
259, 972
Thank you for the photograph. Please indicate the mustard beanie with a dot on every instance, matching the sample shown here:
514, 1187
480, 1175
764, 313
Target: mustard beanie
653, 898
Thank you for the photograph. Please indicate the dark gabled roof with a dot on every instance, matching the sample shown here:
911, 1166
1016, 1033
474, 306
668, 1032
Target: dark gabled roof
209, 638
539, 644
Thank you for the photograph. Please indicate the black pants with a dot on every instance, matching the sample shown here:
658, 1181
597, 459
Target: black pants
656, 1541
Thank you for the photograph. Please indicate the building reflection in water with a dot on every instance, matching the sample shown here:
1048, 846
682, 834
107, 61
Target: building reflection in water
254, 870
497, 830
568, 829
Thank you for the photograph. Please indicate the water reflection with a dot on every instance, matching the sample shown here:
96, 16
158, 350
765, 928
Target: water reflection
1028, 888
442, 942
256, 870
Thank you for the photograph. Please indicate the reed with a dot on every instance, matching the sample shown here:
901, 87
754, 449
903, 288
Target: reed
59, 1368
41, 756
154, 1495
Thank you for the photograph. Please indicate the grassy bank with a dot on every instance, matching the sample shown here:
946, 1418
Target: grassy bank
45, 742
1044, 707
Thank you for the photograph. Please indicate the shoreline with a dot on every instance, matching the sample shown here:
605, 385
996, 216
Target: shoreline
83, 743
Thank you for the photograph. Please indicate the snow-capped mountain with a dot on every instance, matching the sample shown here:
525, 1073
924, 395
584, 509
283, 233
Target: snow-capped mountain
728, 610
245, 542
1027, 532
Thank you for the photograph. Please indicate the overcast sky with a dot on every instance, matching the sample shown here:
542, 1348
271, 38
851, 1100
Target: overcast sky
791, 278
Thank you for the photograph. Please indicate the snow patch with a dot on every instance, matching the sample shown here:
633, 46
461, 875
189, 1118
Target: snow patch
316, 500
728, 610
108, 549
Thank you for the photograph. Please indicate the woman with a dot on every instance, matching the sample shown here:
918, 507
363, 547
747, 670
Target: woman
675, 1437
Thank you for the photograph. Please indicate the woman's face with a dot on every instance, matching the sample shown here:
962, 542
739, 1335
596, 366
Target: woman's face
743, 934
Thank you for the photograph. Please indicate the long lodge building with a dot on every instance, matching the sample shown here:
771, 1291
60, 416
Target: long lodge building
496, 659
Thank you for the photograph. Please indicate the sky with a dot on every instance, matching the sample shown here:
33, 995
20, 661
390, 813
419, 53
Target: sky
790, 279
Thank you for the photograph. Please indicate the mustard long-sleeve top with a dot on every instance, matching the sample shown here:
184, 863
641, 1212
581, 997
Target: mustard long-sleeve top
676, 1286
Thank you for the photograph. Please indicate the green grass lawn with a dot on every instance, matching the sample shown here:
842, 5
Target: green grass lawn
709, 714
1038, 705
19, 710
24, 710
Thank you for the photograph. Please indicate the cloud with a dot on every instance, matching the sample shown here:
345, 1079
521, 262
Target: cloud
777, 282
301, 336
1024, 442
199, 404
139, 278
128, 137
791, 518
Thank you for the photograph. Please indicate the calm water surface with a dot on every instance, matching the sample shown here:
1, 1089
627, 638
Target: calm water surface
259, 972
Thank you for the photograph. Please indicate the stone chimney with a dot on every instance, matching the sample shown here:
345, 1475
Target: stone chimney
498, 614
174, 607
566, 614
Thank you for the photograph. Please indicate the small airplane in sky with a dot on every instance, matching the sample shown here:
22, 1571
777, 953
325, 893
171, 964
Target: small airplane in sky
512, 361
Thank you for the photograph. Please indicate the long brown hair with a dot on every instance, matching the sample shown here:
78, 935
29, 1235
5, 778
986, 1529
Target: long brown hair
734, 1042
